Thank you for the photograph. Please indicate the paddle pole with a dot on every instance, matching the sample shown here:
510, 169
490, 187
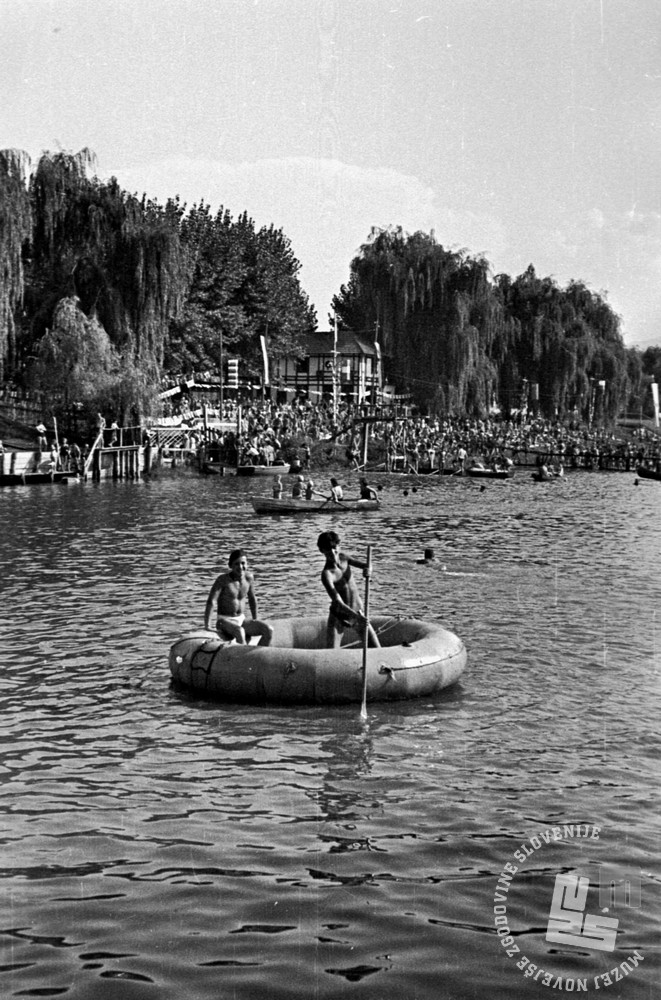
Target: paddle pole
363, 707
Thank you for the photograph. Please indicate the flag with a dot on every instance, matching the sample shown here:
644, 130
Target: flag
377, 348
655, 397
265, 356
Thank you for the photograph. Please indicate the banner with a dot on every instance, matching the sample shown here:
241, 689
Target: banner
379, 379
655, 397
265, 356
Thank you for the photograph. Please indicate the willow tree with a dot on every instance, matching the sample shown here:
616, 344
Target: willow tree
435, 312
457, 339
15, 226
75, 363
118, 254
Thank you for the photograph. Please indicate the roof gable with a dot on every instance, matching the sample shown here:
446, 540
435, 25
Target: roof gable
348, 343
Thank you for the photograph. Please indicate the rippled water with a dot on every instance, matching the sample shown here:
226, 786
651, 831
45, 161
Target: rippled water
159, 846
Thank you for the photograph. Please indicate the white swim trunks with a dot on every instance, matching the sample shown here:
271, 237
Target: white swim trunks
235, 620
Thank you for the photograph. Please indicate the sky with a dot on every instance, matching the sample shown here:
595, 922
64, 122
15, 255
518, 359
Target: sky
526, 131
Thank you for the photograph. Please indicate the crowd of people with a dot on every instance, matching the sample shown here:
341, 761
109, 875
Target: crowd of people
271, 433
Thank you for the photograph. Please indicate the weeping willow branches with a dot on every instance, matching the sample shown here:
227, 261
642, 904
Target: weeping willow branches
460, 340
15, 224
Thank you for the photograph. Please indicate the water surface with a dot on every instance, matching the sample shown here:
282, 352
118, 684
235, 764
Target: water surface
155, 845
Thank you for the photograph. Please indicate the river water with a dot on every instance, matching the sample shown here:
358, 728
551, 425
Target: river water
159, 846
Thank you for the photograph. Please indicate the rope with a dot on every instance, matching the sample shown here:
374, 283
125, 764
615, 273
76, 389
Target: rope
389, 624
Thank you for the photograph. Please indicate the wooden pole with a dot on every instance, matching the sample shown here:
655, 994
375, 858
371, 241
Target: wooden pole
363, 707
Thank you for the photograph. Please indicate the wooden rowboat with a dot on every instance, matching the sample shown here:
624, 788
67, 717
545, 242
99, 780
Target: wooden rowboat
417, 658
287, 505
33, 478
647, 473
478, 472
263, 470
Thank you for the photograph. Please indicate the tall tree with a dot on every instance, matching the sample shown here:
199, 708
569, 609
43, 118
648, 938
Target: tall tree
75, 361
242, 283
120, 255
458, 340
15, 228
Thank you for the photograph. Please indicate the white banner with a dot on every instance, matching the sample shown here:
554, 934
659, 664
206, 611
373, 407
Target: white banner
262, 339
655, 397
379, 370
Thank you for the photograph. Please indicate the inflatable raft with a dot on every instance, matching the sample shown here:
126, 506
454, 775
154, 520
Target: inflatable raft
416, 658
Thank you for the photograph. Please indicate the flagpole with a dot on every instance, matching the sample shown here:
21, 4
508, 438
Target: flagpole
335, 368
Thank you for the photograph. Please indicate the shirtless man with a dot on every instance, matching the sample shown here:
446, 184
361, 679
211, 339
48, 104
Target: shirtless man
346, 606
337, 493
227, 601
367, 492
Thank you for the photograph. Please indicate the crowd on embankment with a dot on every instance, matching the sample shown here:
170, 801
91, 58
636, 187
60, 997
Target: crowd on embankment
284, 432
305, 433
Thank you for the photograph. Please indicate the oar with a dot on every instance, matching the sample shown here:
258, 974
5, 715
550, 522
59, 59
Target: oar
363, 707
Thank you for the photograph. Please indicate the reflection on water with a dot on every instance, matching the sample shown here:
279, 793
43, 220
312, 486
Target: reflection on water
155, 844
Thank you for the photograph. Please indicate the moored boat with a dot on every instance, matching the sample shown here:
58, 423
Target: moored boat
479, 472
417, 658
265, 470
646, 473
32, 478
288, 505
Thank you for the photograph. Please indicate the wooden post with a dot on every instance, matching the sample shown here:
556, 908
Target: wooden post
363, 707
366, 434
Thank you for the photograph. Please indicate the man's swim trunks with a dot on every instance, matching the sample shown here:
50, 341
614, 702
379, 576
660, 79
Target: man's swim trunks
235, 621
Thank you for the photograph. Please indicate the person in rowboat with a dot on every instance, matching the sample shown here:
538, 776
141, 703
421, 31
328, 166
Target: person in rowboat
227, 601
367, 492
297, 488
346, 608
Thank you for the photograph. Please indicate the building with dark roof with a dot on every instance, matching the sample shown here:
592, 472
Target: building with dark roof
353, 360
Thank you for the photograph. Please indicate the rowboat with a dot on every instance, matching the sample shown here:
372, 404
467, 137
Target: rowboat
647, 473
288, 505
479, 472
33, 478
416, 658
264, 470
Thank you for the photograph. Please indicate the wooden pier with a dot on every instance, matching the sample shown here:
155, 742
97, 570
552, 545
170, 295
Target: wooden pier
117, 462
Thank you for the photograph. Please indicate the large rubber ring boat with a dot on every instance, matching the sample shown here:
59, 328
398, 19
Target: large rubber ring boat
417, 658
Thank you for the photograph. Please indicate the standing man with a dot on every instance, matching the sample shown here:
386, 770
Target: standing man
227, 601
346, 608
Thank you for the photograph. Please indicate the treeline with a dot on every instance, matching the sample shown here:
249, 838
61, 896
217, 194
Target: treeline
103, 292
461, 341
